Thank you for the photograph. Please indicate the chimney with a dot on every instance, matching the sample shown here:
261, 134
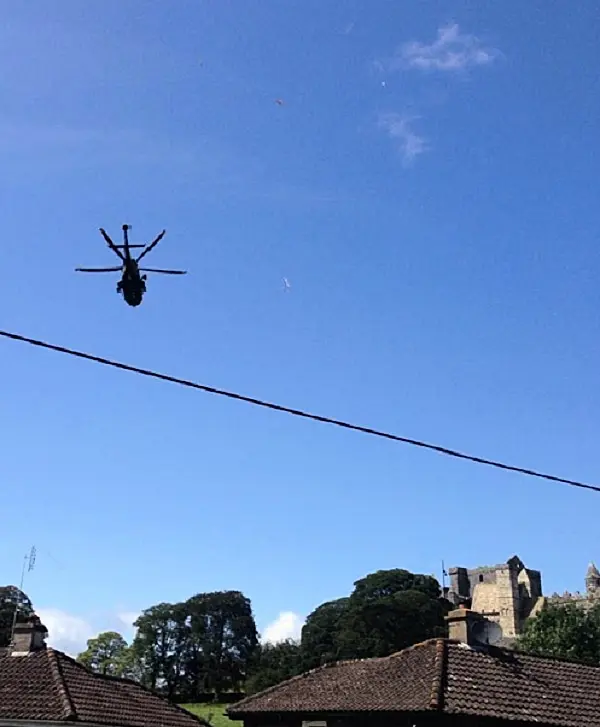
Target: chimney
28, 636
460, 625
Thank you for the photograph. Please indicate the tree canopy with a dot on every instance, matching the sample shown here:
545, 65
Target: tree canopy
108, 653
12, 599
204, 644
209, 643
274, 663
319, 641
387, 611
385, 583
564, 631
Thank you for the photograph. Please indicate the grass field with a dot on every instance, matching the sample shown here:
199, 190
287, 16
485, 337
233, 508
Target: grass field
213, 713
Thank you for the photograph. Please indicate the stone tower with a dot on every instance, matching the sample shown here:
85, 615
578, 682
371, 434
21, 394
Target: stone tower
507, 593
592, 580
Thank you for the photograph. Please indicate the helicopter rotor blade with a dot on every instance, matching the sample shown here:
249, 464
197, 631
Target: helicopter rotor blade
152, 245
98, 270
111, 244
165, 272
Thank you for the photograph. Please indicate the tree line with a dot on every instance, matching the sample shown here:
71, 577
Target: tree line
209, 644
208, 647
200, 646
386, 612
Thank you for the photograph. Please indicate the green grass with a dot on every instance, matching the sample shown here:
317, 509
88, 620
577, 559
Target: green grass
213, 713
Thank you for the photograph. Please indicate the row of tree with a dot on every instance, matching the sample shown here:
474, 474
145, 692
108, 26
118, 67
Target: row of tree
209, 645
203, 645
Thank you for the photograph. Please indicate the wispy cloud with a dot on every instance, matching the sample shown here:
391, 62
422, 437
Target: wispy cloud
288, 625
451, 51
399, 128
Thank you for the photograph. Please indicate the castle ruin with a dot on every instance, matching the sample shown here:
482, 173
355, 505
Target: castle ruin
585, 600
508, 594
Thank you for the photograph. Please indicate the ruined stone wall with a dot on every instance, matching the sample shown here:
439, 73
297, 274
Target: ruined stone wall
508, 600
510, 593
507, 593
485, 600
464, 580
582, 600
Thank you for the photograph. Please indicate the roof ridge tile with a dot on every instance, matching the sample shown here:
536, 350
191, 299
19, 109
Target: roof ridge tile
439, 668
412, 647
61, 685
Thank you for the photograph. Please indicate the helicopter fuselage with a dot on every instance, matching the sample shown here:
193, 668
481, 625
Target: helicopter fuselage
132, 285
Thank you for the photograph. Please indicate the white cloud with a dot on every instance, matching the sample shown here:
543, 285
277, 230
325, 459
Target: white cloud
66, 632
450, 51
287, 625
399, 128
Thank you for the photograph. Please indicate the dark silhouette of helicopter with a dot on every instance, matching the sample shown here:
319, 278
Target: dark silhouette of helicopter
132, 284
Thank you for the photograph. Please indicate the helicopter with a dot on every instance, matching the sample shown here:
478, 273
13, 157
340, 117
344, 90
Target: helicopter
132, 284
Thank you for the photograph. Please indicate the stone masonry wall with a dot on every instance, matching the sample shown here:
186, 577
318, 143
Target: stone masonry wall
510, 593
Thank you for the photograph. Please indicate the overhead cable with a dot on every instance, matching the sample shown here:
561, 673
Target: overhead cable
298, 412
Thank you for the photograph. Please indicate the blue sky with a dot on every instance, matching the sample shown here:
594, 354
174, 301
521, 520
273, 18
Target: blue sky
428, 188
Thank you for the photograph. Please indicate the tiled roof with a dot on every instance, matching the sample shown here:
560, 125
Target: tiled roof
47, 685
444, 676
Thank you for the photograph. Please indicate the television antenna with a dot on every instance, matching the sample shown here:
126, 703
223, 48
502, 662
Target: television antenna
28, 566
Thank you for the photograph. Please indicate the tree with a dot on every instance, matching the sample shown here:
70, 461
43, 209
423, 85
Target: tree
222, 641
108, 653
319, 638
274, 663
564, 631
160, 645
380, 627
387, 611
385, 583
204, 644
12, 599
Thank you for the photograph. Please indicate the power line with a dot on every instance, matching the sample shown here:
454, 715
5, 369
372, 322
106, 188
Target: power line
297, 412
